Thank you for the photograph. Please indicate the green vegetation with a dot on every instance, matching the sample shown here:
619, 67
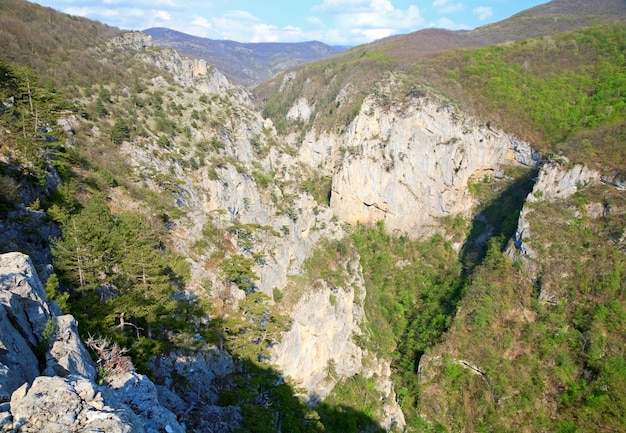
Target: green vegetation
358, 400
547, 336
335, 86
500, 203
319, 188
116, 262
238, 270
413, 291
328, 262
478, 341
564, 93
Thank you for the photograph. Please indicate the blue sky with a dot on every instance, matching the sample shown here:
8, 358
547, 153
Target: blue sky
335, 22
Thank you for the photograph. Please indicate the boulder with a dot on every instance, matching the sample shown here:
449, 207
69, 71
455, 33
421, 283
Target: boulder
23, 296
23, 317
140, 394
67, 354
70, 404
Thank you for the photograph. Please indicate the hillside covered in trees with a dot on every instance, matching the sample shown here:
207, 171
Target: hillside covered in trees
185, 224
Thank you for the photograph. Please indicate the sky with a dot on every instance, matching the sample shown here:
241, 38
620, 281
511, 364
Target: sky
334, 22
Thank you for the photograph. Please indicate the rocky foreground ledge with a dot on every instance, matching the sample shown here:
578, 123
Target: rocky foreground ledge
47, 378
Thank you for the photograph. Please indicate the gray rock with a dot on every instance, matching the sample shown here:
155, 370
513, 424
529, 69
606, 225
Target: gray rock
18, 363
557, 182
200, 368
554, 182
67, 399
71, 404
23, 296
140, 394
23, 315
6, 420
68, 355
412, 168
220, 419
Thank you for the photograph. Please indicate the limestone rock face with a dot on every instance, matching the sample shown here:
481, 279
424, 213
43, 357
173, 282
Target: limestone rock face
410, 166
67, 355
300, 110
72, 404
23, 295
64, 397
554, 182
26, 229
18, 363
132, 41
23, 317
318, 350
139, 393
193, 73
200, 367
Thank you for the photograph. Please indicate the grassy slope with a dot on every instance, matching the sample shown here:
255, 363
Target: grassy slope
564, 93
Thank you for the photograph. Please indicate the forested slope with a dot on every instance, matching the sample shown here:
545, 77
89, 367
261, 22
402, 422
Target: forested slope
192, 229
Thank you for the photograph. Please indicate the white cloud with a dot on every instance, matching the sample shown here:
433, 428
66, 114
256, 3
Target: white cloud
244, 27
446, 7
314, 21
78, 11
201, 22
115, 13
483, 13
345, 22
162, 15
167, 4
360, 21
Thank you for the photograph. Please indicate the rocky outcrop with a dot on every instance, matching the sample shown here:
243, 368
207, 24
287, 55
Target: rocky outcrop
189, 72
199, 367
55, 404
410, 165
66, 354
193, 73
47, 375
131, 41
319, 348
554, 182
300, 110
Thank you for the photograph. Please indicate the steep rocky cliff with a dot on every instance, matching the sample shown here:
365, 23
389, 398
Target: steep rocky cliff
406, 162
256, 229
553, 183
409, 165
47, 377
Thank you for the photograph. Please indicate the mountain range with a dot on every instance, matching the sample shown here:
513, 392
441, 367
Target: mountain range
243, 63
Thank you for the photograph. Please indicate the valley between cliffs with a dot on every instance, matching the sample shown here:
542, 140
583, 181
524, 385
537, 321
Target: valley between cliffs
282, 273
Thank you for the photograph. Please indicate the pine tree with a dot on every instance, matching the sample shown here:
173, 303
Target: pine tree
146, 292
85, 253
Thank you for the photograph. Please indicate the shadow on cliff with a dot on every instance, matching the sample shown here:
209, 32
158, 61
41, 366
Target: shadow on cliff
270, 404
497, 221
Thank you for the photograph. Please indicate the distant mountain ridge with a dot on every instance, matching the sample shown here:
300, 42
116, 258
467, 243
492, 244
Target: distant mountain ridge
253, 63
546, 19
243, 63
